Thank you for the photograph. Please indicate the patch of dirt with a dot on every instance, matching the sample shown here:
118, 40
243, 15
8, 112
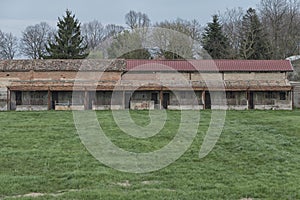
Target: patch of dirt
33, 194
36, 194
150, 182
124, 184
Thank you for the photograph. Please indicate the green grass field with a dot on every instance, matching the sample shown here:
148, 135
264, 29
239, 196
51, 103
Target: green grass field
257, 157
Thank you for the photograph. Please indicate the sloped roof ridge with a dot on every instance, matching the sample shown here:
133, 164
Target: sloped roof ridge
210, 65
222, 65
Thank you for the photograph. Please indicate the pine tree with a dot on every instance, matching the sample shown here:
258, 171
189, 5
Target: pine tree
68, 41
254, 42
214, 41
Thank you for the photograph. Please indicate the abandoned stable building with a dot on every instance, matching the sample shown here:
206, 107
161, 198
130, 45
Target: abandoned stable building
144, 84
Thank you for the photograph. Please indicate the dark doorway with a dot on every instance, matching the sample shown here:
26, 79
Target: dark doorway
154, 97
127, 99
54, 100
166, 100
250, 100
207, 100
18, 98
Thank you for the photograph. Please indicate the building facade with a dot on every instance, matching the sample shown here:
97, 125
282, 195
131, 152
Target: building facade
144, 84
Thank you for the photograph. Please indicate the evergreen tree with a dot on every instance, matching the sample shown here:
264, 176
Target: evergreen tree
214, 41
254, 42
68, 41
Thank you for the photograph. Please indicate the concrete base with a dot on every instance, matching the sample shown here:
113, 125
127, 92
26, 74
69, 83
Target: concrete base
3, 108
237, 107
185, 107
31, 108
107, 107
60, 107
219, 107
101, 107
273, 107
142, 105
116, 107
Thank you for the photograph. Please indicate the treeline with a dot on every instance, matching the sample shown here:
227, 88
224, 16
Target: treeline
269, 31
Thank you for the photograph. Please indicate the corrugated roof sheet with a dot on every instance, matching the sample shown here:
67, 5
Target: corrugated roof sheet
209, 65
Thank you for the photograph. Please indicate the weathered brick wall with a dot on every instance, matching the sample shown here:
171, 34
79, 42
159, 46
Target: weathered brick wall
174, 76
205, 76
138, 76
10, 76
270, 76
42, 74
160, 76
70, 75
297, 96
255, 76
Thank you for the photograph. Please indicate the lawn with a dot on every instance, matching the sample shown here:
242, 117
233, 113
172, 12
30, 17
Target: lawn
257, 156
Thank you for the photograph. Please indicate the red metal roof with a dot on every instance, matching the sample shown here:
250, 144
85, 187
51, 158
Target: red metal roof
210, 65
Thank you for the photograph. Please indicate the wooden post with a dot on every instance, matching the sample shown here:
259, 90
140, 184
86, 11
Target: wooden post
8, 99
248, 99
123, 99
203, 99
292, 96
86, 99
161, 98
49, 99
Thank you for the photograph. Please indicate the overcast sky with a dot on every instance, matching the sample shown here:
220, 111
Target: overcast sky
16, 15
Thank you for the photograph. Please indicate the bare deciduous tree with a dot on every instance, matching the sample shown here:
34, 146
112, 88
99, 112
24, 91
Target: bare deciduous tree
232, 22
180, 40
192, 28
98, 37
128, 45
292, 23
195, 30
113, 30
137, 20
94, 33
281, 18
8, 45
34, 40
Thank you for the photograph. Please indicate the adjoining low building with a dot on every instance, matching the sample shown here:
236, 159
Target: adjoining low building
296, 94
144, 84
